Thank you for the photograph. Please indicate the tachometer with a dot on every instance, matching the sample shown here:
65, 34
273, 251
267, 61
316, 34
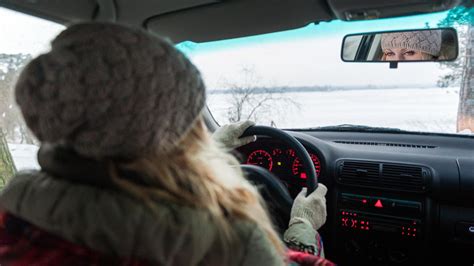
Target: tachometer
261, 158
297, 167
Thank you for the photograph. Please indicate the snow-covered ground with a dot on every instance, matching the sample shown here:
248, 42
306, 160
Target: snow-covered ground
24, 156
427, 109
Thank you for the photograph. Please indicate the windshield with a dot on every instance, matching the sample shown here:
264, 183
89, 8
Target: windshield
296, 79
23, 37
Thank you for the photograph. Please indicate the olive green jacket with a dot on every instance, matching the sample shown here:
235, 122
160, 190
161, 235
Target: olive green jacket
112, 223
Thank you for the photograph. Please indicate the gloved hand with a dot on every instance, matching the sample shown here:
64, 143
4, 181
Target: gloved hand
229, 135
310, 209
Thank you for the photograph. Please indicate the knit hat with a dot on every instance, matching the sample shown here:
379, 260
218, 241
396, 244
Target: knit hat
107, 91
428, 41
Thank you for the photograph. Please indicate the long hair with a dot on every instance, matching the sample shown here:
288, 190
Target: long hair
200, 174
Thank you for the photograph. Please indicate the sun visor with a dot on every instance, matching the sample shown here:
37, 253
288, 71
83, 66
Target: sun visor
232, 19
63, 11
134, 12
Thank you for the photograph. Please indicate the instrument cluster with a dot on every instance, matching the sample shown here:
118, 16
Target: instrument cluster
281, 161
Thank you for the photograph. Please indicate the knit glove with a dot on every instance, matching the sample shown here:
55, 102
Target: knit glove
229, 135
310, 208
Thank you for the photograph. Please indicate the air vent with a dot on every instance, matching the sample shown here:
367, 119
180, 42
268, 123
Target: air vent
385, 144
384, 175
404, 176
355, 172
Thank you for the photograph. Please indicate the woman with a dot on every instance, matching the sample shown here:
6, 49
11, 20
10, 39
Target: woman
130, 174
411, 46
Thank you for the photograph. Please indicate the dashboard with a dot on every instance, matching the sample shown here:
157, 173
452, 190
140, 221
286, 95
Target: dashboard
393, 199
281, 160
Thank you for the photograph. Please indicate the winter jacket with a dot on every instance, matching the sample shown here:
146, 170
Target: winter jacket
50, 220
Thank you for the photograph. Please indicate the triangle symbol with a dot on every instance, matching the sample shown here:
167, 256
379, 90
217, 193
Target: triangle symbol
378, 204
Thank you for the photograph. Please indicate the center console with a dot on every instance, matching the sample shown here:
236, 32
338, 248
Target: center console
380, 228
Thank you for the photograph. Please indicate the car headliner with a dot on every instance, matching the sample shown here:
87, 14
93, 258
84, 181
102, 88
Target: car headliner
209, 20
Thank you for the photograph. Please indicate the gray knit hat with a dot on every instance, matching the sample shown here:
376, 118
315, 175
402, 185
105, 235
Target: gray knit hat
428, 41
110, 91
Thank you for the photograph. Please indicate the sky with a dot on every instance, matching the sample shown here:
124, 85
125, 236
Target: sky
305, 57
314, 62
310, 56
22, 33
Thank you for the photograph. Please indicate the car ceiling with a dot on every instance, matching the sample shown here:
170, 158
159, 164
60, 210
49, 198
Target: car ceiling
209, 20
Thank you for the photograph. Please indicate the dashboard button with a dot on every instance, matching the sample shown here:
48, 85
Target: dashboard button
350, 200
465, 230
406, 207
379, 204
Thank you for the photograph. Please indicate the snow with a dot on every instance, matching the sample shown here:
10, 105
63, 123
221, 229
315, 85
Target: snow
24, 156
414, 109
428, 110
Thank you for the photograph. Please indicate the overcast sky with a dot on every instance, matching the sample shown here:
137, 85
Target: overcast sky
285, 59
306, 63
25, 34
311, 56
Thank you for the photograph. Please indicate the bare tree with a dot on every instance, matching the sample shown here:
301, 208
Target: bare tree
466, 95
7, 166
462, 70
12, 126
11, 121
249, 101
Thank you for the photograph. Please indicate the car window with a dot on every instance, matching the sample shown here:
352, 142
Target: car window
296, 79
23, 37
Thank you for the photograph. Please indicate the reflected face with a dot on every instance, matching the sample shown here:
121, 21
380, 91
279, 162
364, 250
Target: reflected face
402, 54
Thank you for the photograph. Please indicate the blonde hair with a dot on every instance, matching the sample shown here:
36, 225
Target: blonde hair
200, 174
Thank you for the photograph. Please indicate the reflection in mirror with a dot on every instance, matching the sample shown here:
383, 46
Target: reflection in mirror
399, 46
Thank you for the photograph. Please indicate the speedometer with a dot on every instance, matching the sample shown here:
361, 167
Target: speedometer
297, 166
261, 158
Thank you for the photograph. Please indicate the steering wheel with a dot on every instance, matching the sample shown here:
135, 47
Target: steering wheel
272, 189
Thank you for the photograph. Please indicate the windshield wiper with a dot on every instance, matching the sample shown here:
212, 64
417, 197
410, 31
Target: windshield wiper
356, 128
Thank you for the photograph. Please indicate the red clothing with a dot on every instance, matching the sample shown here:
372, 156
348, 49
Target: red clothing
304, 259
23, 244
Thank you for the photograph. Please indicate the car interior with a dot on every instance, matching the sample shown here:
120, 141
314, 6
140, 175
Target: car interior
395, 197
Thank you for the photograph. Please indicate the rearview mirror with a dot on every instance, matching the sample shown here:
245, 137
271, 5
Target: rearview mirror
426, 45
